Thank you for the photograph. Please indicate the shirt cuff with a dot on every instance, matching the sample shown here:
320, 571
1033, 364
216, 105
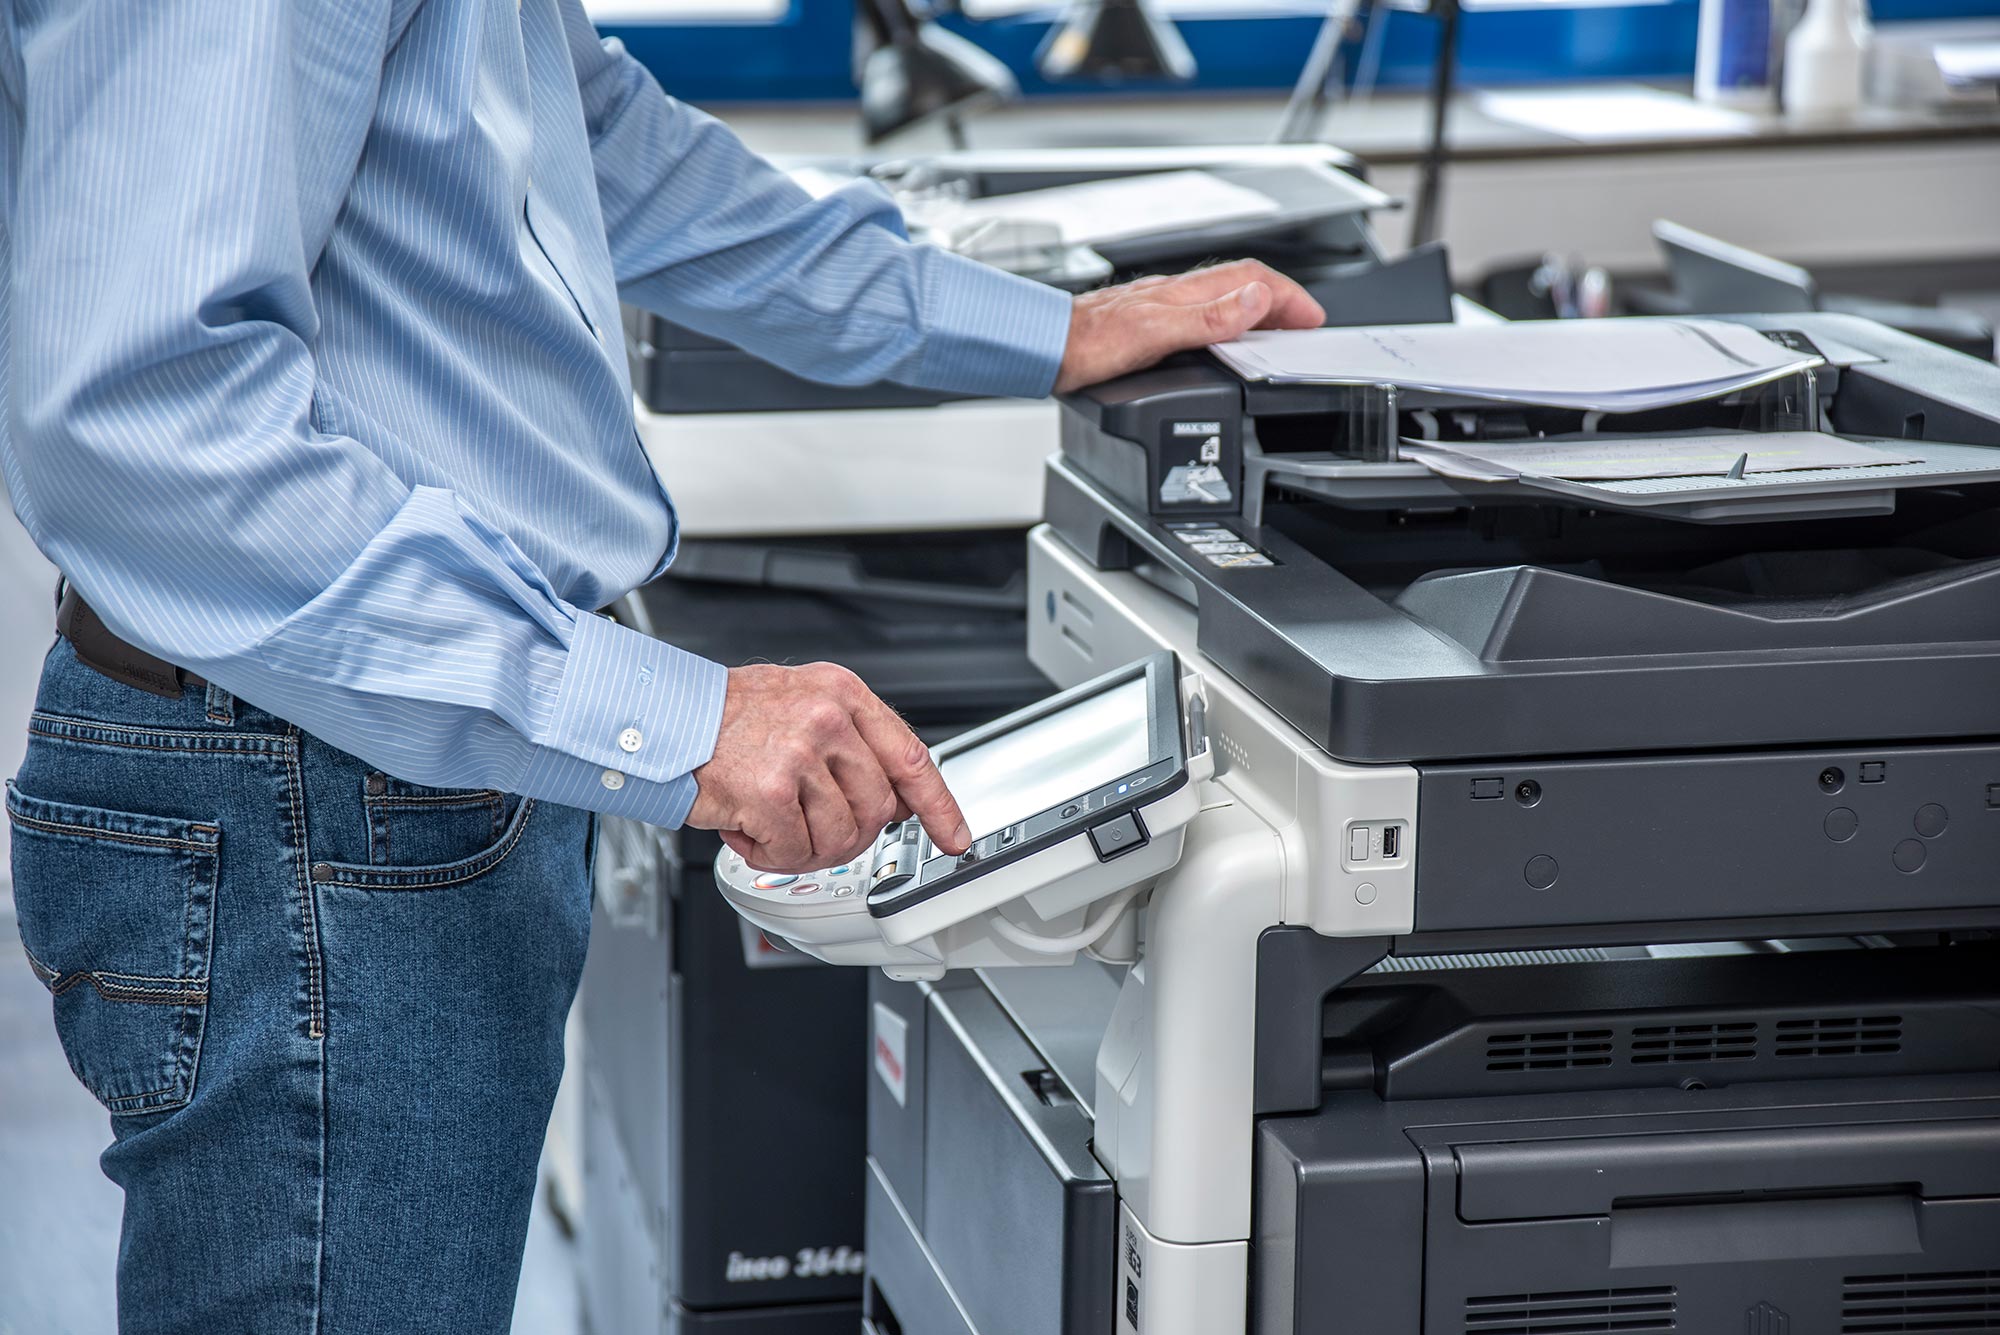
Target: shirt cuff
635, 717
989, 332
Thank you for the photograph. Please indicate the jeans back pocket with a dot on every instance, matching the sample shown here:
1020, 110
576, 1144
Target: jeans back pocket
117, 912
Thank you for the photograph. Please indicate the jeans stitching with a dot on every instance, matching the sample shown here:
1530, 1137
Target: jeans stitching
481, 798
193, 980
131, 737
142, 995
373, 879
115, 836
113, 1102
39, 969
308, 917
193, 1022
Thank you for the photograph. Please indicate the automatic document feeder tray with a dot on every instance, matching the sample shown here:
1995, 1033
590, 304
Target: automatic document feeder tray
1708, 498
1392, 614
1079, 801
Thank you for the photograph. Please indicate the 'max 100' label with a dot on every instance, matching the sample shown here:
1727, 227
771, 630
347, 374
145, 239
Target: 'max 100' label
806, 1263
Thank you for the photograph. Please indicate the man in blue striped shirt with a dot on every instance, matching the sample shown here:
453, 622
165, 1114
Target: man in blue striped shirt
313, 390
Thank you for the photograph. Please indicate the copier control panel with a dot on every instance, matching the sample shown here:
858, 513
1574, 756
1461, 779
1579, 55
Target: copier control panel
1078, 802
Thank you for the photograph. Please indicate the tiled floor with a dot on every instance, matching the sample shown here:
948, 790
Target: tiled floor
59, 1215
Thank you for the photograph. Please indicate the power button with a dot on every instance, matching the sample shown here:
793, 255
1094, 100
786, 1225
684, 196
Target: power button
1119, 835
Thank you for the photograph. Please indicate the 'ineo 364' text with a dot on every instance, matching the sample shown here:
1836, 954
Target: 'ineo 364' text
807, 1263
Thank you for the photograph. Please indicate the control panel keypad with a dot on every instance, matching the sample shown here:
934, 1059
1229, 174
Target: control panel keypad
842, 882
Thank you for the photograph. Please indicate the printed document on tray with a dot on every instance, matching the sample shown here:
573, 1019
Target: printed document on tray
1617, 366
1100, 211
1614, 458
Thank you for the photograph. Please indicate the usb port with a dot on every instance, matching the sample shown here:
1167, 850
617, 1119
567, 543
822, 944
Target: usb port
1392, 839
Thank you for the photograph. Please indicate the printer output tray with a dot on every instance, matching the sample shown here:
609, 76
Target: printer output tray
1808, 491
1801, 493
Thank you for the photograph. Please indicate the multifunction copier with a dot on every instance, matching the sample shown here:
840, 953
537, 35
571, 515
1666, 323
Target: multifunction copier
1465, 907
724, 1135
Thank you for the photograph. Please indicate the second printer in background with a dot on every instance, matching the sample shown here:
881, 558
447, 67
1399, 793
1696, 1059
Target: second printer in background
724, 1135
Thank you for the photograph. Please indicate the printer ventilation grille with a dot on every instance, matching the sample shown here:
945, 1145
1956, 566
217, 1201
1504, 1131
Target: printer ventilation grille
1721, 1041
1575, 1312
1846, 1036
1548, 1050
1955, 1302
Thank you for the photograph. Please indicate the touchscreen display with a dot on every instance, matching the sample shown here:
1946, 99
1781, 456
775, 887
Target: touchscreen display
1057, 757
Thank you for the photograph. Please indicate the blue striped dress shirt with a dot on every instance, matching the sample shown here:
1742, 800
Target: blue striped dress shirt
313, 378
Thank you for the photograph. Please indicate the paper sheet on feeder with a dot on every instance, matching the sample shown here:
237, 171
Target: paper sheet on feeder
1607, 458
1100, 211
1607, 365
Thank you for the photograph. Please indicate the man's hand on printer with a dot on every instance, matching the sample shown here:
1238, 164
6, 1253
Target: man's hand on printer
809, 766
1118, 329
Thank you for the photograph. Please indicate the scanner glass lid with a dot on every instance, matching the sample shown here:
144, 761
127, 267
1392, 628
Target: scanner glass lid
1008, 778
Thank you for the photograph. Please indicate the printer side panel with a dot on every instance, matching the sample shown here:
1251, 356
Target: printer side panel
1706, 839
1759, 1217
987, 1213
1339, 1241
1020, 1217
1633, 1211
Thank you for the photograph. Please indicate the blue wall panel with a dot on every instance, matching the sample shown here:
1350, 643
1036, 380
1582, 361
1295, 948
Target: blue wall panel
806, 55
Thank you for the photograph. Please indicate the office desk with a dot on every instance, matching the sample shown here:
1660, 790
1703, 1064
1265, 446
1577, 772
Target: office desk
1877, 187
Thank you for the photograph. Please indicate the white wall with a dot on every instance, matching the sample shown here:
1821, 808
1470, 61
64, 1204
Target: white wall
27, 625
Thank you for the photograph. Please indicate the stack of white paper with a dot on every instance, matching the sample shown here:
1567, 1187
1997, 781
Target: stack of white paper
1619, 458
1616, 366
1100, 211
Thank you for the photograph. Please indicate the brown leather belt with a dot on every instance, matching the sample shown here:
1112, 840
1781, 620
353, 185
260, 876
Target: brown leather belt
97, 648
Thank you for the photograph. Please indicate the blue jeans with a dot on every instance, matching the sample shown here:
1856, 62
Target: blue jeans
324, 1008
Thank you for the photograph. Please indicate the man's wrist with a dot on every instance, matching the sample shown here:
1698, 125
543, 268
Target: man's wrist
633, 719
989, 332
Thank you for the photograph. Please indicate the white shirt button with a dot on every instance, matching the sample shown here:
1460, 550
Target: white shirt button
629, 740
613, 780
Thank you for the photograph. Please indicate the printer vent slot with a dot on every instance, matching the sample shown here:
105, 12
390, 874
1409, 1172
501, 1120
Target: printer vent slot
1725, 1041
1842, 1036
1548, 1050
1946, 1302
1576, 1312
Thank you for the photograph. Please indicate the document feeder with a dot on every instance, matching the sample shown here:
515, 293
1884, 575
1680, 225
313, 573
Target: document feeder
1394, 615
